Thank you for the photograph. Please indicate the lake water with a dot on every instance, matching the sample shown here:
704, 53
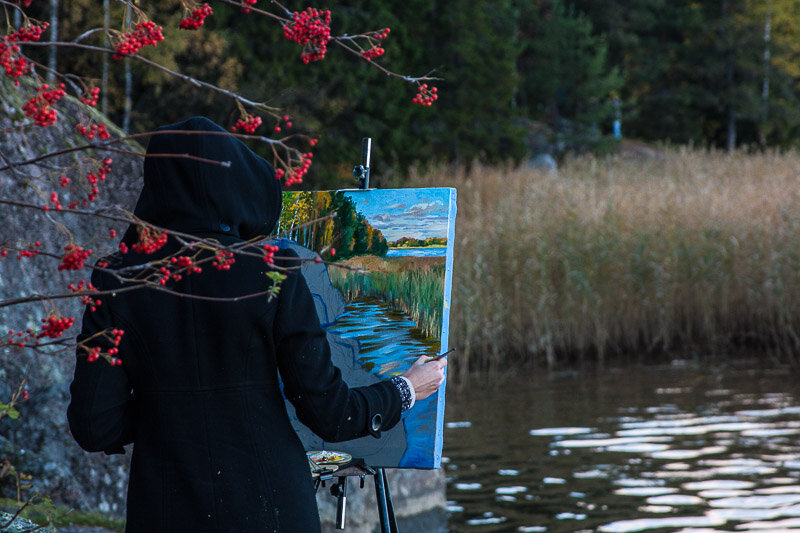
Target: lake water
668, 448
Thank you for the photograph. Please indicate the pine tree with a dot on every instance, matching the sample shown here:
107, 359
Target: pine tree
565, 80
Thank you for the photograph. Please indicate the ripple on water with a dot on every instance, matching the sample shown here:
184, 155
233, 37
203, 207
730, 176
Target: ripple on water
510, 490
757, 502
643, 524
605, 443
789, 524
733, 461
486, 519
770, 432
638, 482
655, 509
645, 491
675, 500
689, 454
559, 432
721, 493
783, 489
718, 484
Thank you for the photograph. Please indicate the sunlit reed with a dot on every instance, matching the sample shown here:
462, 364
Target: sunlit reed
691, 253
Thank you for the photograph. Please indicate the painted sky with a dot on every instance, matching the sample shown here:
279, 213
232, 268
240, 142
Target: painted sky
415, 213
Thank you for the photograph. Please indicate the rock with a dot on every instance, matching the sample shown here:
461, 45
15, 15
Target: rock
544, 162
18, 525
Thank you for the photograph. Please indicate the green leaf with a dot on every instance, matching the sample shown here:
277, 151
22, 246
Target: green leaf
8, 410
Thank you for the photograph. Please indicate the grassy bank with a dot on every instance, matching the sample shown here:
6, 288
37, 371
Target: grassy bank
693, 252
414, 285
49, 515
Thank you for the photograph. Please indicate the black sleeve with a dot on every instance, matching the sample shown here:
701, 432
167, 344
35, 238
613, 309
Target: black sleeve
100, 411
314, 385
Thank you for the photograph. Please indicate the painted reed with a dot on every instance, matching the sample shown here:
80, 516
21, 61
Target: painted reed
695, 252
412, 285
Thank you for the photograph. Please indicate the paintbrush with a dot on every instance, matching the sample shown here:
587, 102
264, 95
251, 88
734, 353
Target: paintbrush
439, 356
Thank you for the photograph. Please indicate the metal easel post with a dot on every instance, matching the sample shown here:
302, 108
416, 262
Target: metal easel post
361, 172
385, 507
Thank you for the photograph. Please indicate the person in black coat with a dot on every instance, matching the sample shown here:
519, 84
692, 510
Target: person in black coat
198, 390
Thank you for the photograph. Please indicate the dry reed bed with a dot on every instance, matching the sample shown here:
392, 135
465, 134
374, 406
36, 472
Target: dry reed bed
697, 251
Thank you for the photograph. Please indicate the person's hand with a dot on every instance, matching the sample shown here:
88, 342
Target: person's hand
426, 376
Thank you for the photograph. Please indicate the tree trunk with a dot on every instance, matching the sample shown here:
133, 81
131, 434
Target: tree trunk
53, 58
762, 134
104, 79
126, 119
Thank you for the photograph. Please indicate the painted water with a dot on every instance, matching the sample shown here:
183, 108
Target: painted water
417, 252
669, 448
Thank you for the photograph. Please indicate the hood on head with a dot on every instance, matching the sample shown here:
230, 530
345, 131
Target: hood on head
192, 196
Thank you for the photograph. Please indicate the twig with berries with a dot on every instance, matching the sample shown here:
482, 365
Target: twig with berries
93, 346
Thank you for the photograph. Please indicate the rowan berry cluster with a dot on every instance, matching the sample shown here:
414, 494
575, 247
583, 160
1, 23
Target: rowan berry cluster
311, 29
74, 257
425, 96
40, 105
285, 119
53, 200
28, 33
196, 18
372, 53
20, 338
181, 264
94, 129
14, 64
83, 288
96, 352
223, 260
247, 4
55, 326
30, 251
184, 262
150, 240
375, 50
143, 34
296, 173
93, 178
269, 253
247, 123
91, 96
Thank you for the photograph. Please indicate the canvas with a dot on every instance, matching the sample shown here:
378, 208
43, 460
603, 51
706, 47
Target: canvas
384, 300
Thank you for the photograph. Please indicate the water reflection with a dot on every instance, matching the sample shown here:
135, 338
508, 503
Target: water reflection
638, 449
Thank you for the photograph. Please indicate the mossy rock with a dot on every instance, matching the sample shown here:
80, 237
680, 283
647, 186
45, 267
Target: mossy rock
19, 524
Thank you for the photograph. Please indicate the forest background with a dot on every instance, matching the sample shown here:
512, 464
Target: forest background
718, 73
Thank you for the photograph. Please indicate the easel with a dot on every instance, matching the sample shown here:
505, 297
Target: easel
357, 468
339, 490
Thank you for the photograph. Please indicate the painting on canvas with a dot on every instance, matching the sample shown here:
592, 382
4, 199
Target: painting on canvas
383, 298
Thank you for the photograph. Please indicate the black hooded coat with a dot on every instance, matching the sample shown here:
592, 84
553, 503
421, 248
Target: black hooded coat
198, 391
